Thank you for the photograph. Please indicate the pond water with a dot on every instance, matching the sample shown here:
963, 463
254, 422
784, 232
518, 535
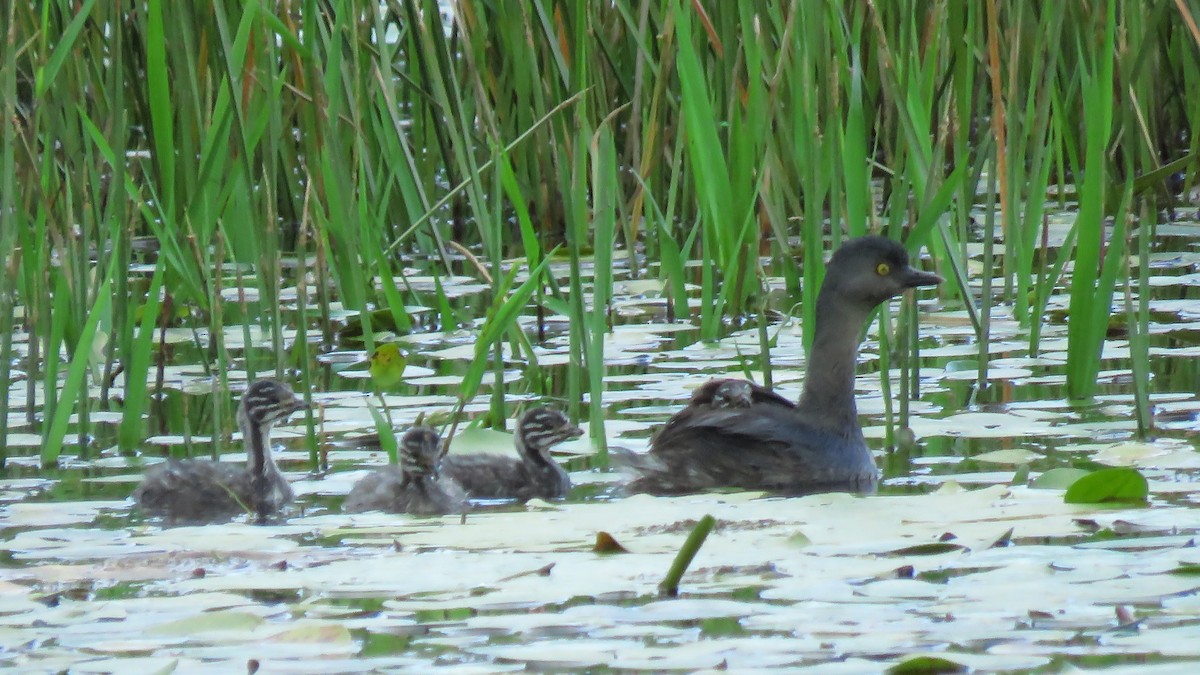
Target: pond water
950, 559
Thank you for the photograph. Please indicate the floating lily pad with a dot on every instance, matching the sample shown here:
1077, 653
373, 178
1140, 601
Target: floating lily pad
926, 665
218, 621
1013, 456
1059, 478
1109, 485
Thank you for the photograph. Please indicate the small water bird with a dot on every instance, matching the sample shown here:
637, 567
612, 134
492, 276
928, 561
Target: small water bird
414, 486
720, 393
533, 474
734, 393
749, 437
204, 491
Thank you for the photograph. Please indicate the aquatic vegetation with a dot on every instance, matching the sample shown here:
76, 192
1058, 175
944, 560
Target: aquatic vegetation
598, 206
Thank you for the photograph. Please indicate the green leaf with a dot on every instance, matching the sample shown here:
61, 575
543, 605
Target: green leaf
1118, 484
380, 320
926, 665
158, 83
387, 366
74, 386
446, 312
130, 432
387, 436
501, 315
959, 365
285, 34
933, 548
395, 303
557, 305
65, 48
1058, 479
1021, 476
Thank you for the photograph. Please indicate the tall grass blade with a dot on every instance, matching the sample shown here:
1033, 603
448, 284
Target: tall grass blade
604, 197
500, 318
1091, 296
130, 433
74, 387
10, 220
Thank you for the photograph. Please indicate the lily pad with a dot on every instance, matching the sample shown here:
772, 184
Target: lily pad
926, 665
1059, 478
206, 622
1118, 484
1013, 456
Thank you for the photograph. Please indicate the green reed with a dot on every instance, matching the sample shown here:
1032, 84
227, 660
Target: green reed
605, 191
574, 308
1025, 138
74, 386
1092, 285
1137, 321
986, 297
304, 357
724, 162
743, 129
507, 304
9, 285
131, 431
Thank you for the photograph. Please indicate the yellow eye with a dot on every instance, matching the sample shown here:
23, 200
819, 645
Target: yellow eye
883, 269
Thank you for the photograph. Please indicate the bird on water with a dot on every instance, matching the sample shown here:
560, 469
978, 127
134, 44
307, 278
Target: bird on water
199, 491
745, 436
533, 474
413, 486
734, 393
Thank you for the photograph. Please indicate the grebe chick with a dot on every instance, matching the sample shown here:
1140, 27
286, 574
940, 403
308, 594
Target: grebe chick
734, 393
721, 393
533, 474
200, 491
414, 486
816, 445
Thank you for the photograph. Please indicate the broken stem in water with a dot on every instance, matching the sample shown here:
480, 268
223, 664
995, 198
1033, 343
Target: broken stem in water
670, 584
